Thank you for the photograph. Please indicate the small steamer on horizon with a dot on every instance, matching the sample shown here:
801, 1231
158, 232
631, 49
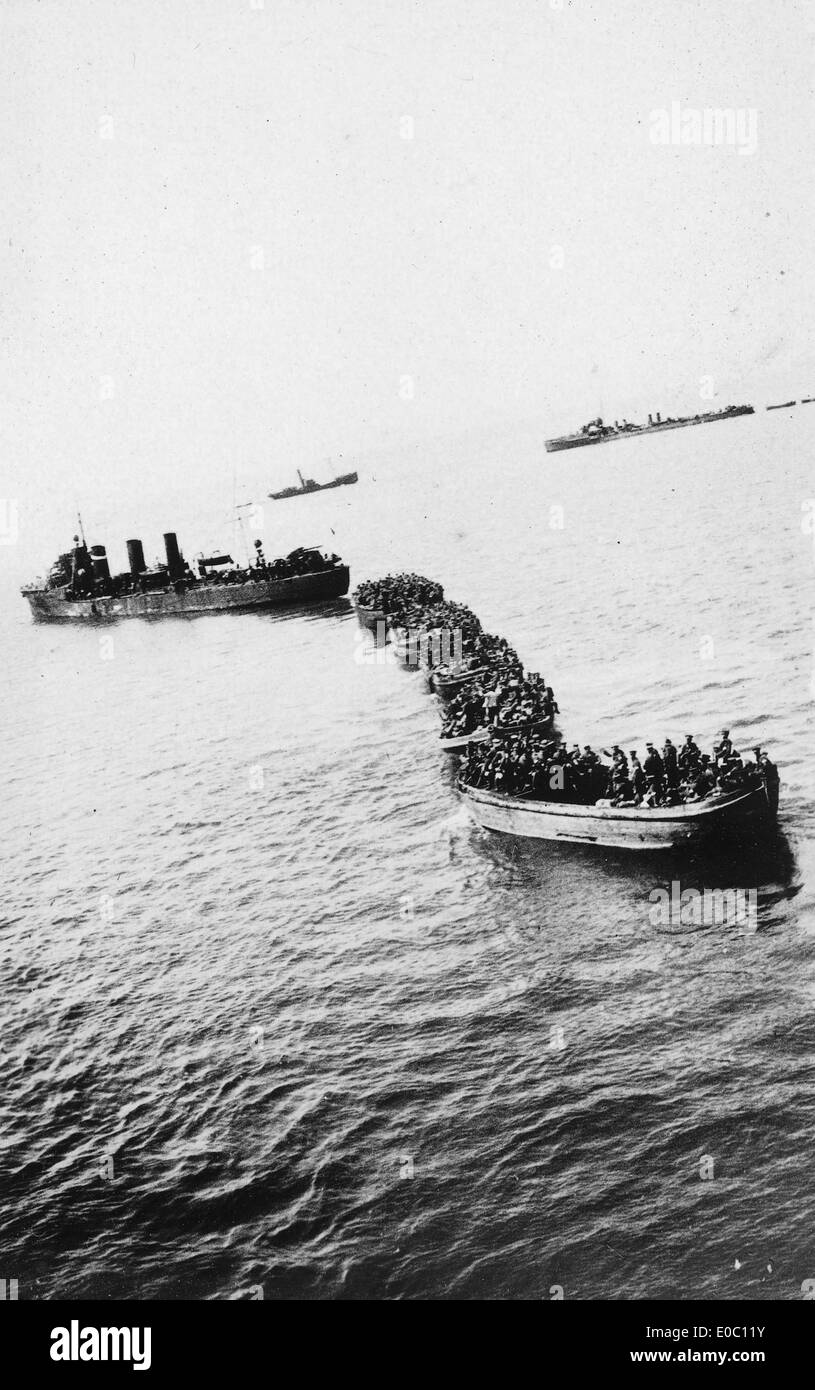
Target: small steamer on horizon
309, 485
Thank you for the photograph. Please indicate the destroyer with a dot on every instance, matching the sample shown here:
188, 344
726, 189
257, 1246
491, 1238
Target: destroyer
309, 485
81, 586
595, 432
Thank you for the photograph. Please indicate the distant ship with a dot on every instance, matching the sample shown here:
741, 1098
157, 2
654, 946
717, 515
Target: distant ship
595, 432
782, 405
80, 585
309, 485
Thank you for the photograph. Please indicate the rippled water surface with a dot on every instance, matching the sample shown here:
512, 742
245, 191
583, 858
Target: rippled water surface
276, 1014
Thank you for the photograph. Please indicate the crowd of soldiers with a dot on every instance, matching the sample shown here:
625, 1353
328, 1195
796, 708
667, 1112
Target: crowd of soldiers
517, 708
456, 620
530, 766
503, 697
397, 593
415, 608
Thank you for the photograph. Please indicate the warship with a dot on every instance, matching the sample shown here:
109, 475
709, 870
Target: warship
309, 485
596, 432
79, 586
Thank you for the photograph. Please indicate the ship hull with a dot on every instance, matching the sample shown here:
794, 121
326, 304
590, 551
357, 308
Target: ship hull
51, 606
635, 828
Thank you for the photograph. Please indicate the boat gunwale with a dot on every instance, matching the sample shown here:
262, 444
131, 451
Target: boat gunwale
630, 815
462, 678
457, 741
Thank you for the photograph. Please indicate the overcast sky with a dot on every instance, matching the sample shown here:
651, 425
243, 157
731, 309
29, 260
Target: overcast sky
251, 236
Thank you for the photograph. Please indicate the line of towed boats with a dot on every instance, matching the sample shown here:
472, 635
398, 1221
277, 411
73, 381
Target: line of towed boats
721, 815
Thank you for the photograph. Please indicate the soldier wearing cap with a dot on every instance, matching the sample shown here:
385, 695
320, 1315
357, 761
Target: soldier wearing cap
754, 768
771, 777
638, 779
654, 772
723, 750
670, 764
594, 774
620, 788
689, 755
617, 756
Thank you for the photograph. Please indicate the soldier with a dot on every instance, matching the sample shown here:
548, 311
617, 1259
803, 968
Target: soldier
620, 789
753, 769
771, 777
539, 778
654, 772
590, 758
724, 748
491, 702
617, 756
705, 779
670, 764
594, 774
638, 779
731, 777
689, 755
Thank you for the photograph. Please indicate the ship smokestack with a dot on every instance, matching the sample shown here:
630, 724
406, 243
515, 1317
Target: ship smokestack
135, 558
175, 563
659, 418
99, 563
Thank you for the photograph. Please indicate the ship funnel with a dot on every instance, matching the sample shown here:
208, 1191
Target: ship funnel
175, 562
135, 558
99, 563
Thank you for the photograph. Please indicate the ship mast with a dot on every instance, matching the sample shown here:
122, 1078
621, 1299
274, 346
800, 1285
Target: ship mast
240, 507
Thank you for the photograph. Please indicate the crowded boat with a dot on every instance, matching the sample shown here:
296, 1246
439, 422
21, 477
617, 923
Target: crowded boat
503, 716
502, 699
532, 767
396, 594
